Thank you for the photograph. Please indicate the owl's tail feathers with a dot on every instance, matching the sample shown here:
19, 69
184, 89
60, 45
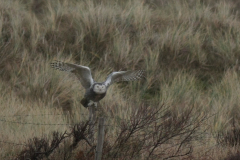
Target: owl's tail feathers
85, 102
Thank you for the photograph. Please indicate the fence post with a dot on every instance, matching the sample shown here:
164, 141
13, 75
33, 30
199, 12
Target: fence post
92, 118
98, 154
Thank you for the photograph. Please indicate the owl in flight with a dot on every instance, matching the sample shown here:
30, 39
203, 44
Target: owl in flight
95, 91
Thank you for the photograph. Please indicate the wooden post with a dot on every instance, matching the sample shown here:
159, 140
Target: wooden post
92, 118
98, 154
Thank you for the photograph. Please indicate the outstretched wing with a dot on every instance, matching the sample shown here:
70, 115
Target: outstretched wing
124, 76
83, 73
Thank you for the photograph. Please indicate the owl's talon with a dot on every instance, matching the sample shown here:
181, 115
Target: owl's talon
92, 103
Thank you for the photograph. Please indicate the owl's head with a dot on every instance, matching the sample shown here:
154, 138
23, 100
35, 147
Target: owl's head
99, 88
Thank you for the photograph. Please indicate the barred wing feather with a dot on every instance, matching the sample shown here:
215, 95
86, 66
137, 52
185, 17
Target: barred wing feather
124, 76
83, 73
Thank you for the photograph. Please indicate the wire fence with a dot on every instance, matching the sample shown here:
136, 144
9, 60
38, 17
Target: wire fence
12, 143
4, 119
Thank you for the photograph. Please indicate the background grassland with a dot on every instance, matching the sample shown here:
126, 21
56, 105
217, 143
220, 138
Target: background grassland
190, 50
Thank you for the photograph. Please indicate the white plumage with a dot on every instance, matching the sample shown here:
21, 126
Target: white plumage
96, 91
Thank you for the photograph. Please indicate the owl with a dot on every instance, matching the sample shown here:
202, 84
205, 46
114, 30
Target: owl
95, 91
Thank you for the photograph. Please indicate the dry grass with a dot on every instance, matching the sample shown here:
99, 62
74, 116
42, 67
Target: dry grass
189, 49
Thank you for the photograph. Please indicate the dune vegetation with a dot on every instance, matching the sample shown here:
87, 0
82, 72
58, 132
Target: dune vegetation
189, 99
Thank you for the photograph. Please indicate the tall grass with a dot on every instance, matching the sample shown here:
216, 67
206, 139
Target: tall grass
188, 48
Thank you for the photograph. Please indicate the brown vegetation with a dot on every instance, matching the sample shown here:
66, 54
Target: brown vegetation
189, 48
